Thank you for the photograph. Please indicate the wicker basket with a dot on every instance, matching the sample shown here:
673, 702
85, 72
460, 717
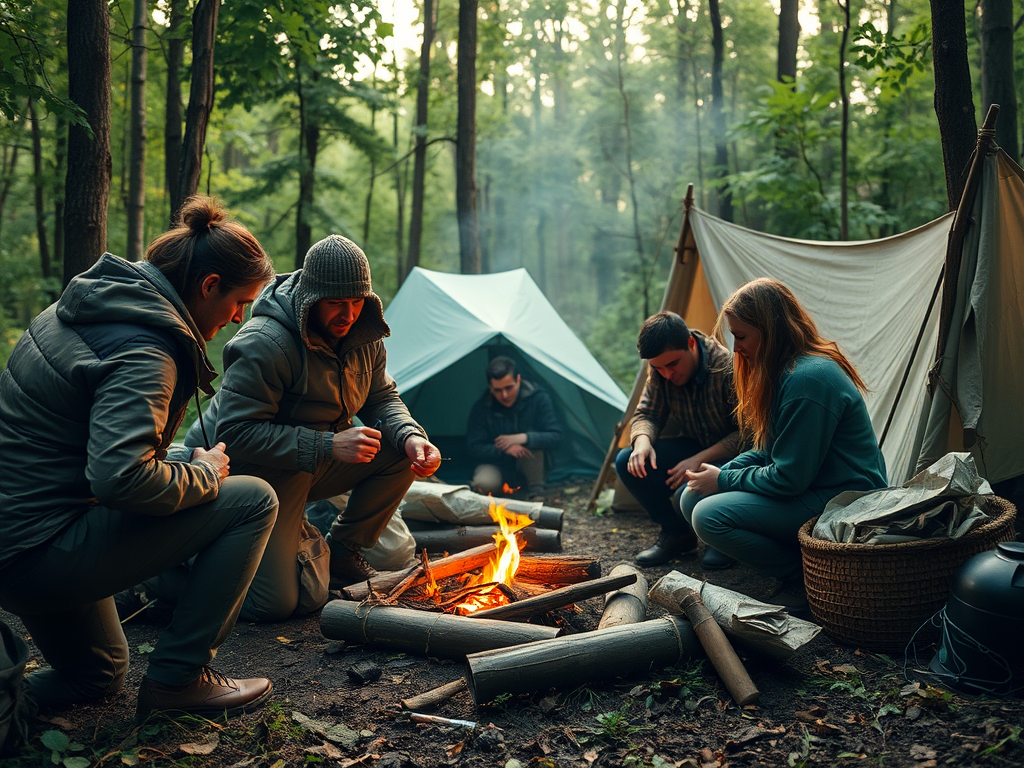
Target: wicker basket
877, 595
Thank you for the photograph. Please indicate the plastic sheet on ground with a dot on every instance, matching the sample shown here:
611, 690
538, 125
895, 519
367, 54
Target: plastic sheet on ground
443, 503
760, 626
945, 500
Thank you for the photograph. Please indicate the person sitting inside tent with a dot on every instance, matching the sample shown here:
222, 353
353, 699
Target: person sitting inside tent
92, 501
509, 429
801, 400
311, 358
690, 382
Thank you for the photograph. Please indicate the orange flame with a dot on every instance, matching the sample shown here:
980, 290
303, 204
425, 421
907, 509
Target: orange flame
502, 567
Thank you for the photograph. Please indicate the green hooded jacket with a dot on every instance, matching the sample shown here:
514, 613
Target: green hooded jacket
89, 402
285, 394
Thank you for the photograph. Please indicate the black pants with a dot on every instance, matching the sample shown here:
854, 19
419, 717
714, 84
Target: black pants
653, 491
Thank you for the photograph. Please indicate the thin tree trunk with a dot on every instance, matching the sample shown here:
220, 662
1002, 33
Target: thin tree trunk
954, 100
400, 200
60, 162
308, 148
38, 182
997, 76
844, 200
697, 106
200, 101
87, 189
373, 177
8, 179
419, 170
789, 36
718, 112
137, 168
172, 104
465, 180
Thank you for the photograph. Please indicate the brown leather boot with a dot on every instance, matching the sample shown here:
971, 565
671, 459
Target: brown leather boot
211, 694
348, 566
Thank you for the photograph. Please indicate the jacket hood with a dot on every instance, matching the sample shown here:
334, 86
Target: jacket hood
279, 301
117, 291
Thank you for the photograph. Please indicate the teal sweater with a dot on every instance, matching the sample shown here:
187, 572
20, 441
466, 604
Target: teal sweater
821, 439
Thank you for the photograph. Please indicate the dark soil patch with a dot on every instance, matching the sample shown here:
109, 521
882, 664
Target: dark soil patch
830, 705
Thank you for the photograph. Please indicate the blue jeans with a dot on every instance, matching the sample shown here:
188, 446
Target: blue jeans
759, 531
652, 492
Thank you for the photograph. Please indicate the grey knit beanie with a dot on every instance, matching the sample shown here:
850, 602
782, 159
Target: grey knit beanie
336, 268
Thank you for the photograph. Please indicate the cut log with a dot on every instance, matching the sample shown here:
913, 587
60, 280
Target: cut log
627, 605
556, 598
437, 696
560, 569
460, 562
430, 634
718, 649
447, 538
543, 517
589, 657
766, 628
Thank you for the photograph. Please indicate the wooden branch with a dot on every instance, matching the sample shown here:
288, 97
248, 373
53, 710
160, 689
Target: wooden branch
461, 562
431, 634
583, 659
437, 696
556, 598
561, 569
627, 605
454, 538
719, 649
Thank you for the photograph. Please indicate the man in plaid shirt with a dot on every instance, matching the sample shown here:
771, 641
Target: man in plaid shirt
690, 383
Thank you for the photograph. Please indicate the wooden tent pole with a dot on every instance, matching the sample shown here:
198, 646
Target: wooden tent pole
682, 269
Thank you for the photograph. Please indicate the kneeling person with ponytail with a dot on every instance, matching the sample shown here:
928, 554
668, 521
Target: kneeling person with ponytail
90, 501
800, 399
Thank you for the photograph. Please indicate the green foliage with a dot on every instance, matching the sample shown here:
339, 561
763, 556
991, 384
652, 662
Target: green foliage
894, 58
63, 751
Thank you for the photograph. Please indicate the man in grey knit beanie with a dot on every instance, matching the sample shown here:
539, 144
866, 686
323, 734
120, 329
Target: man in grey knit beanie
309, 361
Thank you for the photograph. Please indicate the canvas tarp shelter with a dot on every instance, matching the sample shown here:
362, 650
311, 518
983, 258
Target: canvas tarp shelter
444, 330
876, 298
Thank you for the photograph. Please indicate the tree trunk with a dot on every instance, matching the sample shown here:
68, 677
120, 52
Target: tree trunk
400, 175
38, 181
997, 77
844, 200
200, 101
308, 148
718, 111
87, 188
172, 104
373, 175
954, 100
419, 171
137, 168
7, 168
789, 36
60, 162
465, 177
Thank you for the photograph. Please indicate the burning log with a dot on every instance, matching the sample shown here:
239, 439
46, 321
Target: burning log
431, 634
718, 649
461, 562
564, 569
453, 539
763, 627
627, 605
556, 598
437, 696
568, 662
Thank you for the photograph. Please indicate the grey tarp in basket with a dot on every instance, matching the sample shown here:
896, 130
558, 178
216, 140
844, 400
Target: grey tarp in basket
13, 657
945, 500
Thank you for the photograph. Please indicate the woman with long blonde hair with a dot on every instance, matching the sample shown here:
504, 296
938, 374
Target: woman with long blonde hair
799, 401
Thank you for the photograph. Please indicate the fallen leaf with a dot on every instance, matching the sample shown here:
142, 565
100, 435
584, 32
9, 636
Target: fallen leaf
590, 756
921, 752
326, 749
244, 763
60, 722
810, 715
339, 734
846, 669
145, 648
130, 758
455, 749
282, 639
204, 748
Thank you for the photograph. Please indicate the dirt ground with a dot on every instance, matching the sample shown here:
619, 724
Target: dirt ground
830, 705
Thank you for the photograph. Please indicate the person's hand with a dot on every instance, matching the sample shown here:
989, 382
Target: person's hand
505, 442
356, 445
643, 452
424, 456
677, 474
705, 480
519, 452
216, 458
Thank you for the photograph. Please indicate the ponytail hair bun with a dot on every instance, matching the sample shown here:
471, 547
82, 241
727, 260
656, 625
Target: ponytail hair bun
200, 214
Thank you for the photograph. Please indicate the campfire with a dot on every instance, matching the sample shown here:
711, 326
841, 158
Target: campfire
501, 570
